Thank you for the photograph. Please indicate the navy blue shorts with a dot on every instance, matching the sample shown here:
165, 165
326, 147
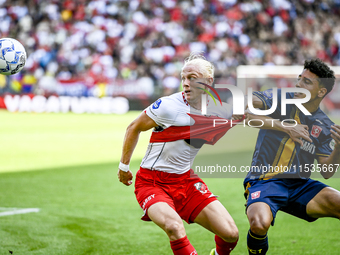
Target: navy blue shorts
288, 195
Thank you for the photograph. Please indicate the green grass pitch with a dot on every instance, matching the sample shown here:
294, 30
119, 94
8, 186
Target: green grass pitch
66, 165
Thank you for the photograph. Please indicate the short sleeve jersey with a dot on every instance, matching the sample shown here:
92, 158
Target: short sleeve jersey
276, 155
175, 156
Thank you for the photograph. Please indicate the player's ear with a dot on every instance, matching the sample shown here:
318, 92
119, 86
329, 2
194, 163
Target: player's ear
322, 92
210, 80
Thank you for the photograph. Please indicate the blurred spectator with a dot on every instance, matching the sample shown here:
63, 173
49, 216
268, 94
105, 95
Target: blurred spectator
111, 42
171, 84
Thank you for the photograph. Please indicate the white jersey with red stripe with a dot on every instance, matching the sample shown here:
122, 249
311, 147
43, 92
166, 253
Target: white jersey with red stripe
175, 155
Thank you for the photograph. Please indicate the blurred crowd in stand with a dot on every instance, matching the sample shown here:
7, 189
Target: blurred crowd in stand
105, 43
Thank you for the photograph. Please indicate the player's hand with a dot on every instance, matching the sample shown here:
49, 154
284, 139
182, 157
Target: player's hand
125, 177
297, 132
335, 134
237, 117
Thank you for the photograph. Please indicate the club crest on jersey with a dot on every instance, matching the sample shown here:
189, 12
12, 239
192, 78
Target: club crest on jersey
255, 194
156, 104
316, 131
201, 187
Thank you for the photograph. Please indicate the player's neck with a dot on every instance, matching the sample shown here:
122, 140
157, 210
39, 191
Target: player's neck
196, 105
312, 106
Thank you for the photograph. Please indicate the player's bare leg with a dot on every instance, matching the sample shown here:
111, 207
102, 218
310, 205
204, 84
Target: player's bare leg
260, 217
168, 219
216, 218
325, 204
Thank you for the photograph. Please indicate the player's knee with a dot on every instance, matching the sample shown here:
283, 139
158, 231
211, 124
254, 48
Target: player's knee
259, 223
259, 227
336, 209
231, 235
174, 230
337, 213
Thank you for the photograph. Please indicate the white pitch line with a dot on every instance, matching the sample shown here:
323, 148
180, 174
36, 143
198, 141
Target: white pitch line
19, 211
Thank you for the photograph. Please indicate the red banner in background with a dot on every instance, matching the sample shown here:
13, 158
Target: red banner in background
38, 104
2, 103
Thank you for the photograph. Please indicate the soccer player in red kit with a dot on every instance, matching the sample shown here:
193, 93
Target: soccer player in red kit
166, 187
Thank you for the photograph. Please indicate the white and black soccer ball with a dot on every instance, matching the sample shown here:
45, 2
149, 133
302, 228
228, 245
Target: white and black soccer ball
12, 56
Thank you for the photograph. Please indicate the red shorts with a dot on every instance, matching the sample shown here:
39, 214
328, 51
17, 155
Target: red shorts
186, 193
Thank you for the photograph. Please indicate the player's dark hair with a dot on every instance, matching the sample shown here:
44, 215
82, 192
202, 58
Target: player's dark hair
325, 74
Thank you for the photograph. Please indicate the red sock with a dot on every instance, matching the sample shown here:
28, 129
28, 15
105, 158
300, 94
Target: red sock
222, 247
182, 247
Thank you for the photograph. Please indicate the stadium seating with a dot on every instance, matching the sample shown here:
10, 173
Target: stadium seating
106, 45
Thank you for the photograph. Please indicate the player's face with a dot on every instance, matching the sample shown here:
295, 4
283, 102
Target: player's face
308, 80
192, 90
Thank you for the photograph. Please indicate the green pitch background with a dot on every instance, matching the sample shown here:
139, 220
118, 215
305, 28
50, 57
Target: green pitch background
66, 165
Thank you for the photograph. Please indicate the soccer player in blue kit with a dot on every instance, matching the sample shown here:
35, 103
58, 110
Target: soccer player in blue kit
288, 188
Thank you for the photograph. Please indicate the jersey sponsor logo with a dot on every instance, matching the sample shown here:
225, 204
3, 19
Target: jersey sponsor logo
157, 104
332, 144
193, 253
309, 147
316, 131
319, 121
201, 187
255, 194
147, 200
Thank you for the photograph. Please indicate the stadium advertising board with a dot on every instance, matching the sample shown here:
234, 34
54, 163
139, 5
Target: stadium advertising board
64, 104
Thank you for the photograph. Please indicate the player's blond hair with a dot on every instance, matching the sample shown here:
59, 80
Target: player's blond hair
205, 67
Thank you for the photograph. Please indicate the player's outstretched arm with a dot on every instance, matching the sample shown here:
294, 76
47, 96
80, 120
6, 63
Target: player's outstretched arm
295, 132
330, 164
142, 123
257, 103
